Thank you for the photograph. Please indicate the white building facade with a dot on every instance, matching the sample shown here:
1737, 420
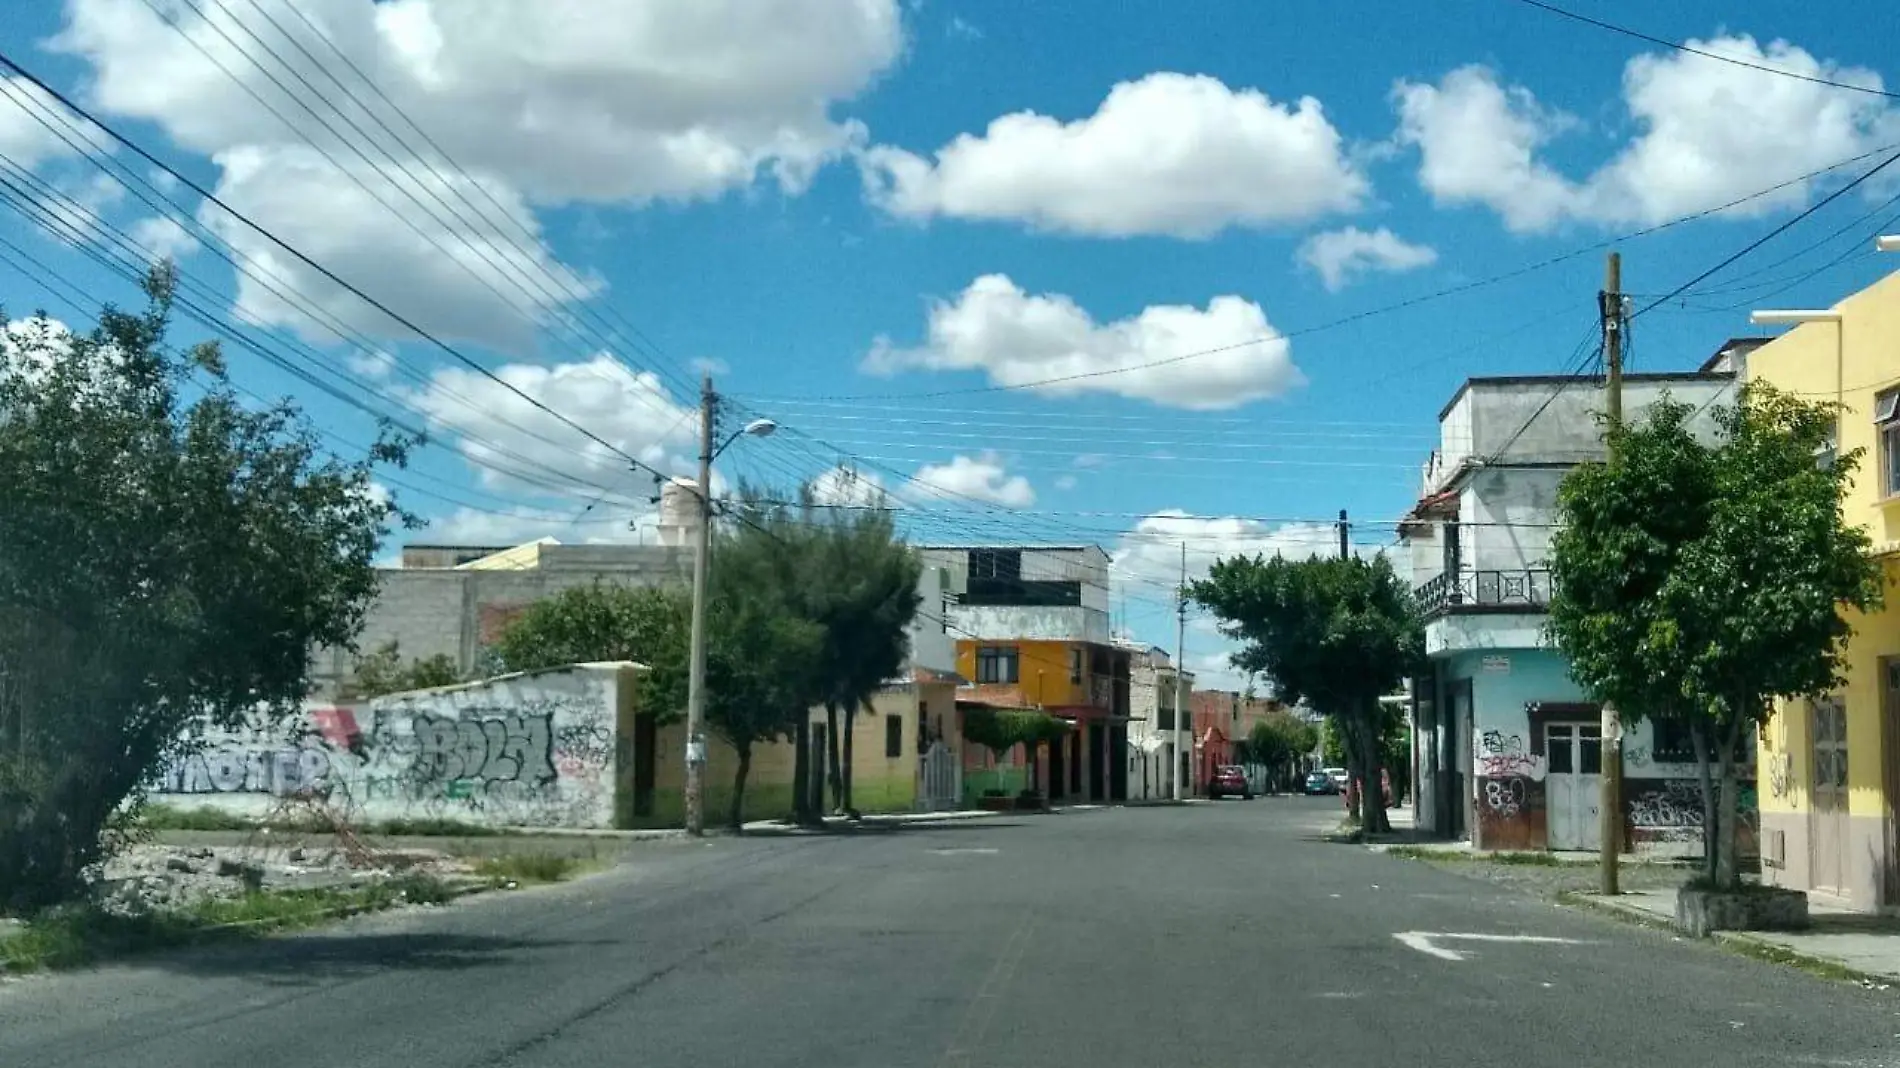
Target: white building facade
1507, 745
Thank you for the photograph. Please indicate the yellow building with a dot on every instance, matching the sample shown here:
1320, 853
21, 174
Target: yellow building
1086, 683
1829, 771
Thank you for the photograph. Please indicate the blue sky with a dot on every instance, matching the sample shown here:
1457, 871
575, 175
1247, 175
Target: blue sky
862, 215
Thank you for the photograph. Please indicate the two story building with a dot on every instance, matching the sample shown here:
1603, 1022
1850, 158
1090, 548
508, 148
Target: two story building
1031, 625
1830, 770
1507, 745
1156, 753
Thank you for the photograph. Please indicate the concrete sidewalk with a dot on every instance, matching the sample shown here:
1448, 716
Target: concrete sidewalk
1851, 944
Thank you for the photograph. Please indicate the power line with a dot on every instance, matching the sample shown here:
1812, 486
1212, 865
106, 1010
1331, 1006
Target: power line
1372, 312
1770, 235
1705, 54
508, 268
212, 198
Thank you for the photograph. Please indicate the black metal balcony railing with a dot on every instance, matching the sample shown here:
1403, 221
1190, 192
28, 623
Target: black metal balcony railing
1454, 591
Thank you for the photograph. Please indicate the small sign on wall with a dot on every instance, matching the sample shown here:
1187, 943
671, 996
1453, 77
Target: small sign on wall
1497, 665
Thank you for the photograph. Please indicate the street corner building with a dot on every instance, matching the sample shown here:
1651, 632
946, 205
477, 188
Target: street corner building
1031, 629
1830, 768
1507, 748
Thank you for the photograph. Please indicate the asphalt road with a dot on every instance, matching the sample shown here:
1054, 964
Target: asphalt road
1221, 934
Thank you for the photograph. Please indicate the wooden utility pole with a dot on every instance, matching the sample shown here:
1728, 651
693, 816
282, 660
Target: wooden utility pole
1609, 802
696, 677
1180, 676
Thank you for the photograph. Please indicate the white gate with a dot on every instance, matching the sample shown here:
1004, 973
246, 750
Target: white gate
1573, 784
940, 783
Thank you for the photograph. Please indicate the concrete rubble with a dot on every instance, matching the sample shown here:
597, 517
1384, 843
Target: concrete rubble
146, 877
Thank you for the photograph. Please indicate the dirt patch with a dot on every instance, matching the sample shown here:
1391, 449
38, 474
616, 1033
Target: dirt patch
148, 878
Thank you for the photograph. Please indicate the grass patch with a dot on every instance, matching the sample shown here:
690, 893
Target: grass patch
205, 818
76, 935
524, 868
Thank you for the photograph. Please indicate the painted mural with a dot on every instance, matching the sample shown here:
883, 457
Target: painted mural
530, 751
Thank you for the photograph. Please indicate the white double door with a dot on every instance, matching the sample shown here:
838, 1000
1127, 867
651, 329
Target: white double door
1573, 784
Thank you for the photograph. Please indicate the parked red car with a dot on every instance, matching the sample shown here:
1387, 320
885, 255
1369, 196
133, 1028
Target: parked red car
1229, 781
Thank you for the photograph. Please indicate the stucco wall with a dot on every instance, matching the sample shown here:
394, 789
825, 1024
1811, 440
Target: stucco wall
535, 750
1662, 801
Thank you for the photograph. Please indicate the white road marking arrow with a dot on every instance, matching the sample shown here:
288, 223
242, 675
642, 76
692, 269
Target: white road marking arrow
1423, 941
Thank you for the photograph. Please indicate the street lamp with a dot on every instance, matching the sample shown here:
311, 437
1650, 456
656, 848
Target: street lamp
1887, 243
702, 548
1796, 317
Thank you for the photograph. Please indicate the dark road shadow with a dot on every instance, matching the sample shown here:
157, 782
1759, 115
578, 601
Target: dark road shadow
310, 959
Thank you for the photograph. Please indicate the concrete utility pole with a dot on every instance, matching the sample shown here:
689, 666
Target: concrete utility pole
696, 679
1180, 669
1345, 545
1609, 802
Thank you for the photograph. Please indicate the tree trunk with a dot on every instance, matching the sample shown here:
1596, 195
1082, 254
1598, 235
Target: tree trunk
1728, 875
831, 757
1355, 769
1372, 797
844, 772
1699, 737
803, 812
737, 820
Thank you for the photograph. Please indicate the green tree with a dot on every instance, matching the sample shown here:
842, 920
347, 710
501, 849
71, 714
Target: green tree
649, 625
1278, 742
383, 671
1697, 583
1001, 730
764, 666
862, 589
170, 556
1336, 634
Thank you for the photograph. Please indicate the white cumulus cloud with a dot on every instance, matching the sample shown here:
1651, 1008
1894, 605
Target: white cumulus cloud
1173, 154
983, 478
1707, 133
518, 447
1016, 338
543, 102
457, 276
1342, 255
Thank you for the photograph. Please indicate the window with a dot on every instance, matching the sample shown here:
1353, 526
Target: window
1887, 422
893, 737
996, 664
1075, 665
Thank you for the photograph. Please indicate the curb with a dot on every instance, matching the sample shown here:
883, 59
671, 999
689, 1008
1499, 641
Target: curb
1741, 943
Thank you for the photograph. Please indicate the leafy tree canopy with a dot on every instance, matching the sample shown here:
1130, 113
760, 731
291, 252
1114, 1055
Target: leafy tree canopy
1697, 581
383, 672
169, 554
648, 625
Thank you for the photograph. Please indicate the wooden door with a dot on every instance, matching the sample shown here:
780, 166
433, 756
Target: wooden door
1827, 813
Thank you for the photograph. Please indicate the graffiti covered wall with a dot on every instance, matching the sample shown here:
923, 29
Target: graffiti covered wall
531, 750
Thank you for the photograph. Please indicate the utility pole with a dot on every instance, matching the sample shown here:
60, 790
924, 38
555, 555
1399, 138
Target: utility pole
696, 679
1609, 803
1180, 669
1345, 546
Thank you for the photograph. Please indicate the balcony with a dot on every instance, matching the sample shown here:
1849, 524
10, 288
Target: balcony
1518, 590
